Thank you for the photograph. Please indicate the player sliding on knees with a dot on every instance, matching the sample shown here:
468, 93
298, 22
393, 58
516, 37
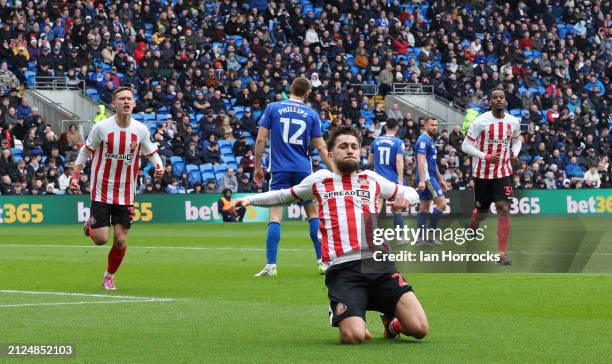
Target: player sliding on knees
115, 145
291, 125
493, 141
347, 199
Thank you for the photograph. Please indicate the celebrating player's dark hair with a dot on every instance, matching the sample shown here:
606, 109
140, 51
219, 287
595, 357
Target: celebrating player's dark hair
342, 130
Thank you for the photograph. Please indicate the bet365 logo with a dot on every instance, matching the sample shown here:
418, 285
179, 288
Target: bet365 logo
592, 205
23, 213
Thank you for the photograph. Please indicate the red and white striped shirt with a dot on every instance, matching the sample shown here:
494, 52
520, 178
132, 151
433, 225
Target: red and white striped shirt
347, 207
115, 159
492, 135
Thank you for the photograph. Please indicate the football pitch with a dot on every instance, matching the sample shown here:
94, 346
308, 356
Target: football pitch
186, 293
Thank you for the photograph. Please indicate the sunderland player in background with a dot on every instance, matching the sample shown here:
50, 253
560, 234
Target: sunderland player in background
387, 157
347, 199
291, 125
494, 141
115, 145
430, 183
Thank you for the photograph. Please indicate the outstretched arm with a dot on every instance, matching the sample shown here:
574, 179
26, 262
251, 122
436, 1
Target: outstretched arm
302, 191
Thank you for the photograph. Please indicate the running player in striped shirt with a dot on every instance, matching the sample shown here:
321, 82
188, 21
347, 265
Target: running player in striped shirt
347, 198
115, 146
494, 140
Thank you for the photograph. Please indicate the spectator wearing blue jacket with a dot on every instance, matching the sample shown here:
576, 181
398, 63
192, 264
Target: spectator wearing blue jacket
366, 112
572, 169
595, 83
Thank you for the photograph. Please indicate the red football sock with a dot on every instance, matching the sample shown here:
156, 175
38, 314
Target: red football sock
395, 327
474, 223
115, 256
503, 231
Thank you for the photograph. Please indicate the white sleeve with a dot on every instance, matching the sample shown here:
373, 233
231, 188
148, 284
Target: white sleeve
389, 190
470, 139
148, 147
89, 147
468, 148
301, 191
271, 198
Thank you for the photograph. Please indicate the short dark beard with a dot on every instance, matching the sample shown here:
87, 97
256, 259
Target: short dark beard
346, 167
498, 113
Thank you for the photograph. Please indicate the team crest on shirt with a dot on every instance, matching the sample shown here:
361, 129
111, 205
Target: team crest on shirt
133, 145
363, 180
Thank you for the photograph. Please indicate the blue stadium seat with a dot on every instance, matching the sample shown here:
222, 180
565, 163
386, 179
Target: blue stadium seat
226, 149
207, 175
149, 116
178, 165
206, 167
192, 167
223, 143
218, 177
238, 159
195, 176
232, 164
219, 168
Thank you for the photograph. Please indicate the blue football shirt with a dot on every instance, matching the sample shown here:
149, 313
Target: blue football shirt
292, 124
426, 146
386, 149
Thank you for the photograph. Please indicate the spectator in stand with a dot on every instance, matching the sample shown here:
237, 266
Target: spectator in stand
229, 181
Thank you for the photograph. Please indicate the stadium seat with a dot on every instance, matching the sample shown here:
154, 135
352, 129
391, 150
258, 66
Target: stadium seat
178, 165
220, 168
149, 116
232, 164
226, 149
207, 175
195, 176
206, 167
223, 143
192, 167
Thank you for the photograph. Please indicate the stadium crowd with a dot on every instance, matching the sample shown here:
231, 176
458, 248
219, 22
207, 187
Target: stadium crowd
203, 72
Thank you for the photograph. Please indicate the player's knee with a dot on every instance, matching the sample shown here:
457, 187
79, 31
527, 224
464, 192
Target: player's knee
119, 243
100, 240
421, 329
352, 336
503, 209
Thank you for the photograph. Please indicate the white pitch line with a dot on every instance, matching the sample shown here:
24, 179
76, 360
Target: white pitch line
82, 295
152, 247
85, 303
251, 249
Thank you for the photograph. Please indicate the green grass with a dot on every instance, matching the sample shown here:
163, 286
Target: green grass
223, 314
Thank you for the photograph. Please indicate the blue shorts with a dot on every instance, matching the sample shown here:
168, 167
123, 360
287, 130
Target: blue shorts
432, 190
283, 180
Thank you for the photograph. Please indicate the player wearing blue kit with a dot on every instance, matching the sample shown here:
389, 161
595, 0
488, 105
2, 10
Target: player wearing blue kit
291, 125
387, 157
430, 183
